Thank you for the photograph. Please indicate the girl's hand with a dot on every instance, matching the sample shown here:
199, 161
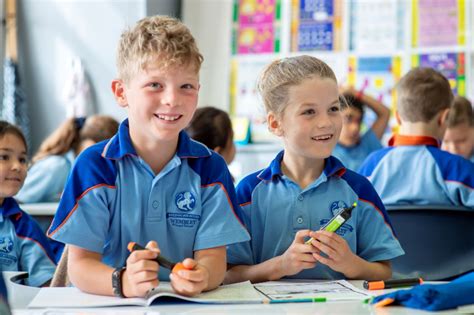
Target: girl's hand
339, 256
192, 280
141, 274
298, 256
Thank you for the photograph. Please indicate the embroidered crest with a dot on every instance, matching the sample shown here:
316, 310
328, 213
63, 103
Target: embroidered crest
185, 201
6, 245
336, 206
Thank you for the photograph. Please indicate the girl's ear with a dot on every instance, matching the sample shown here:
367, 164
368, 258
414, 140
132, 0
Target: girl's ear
274, 124
118, 88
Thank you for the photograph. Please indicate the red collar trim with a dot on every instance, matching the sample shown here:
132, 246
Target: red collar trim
397, 140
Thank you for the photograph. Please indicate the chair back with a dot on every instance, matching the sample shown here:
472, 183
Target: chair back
438, 241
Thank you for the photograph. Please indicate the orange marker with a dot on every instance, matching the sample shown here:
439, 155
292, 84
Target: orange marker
162, 261
384, 302
390, 284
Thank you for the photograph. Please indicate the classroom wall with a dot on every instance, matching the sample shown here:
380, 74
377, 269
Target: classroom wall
210, 23
51, 32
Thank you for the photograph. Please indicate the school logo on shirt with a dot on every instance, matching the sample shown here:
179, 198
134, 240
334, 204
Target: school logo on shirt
6, 247
185, 201
337, 206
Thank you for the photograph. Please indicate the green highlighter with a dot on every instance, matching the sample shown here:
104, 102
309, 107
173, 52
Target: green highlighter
337, 221
301, 300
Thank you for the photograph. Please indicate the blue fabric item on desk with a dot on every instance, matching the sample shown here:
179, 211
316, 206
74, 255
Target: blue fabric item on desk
435, 297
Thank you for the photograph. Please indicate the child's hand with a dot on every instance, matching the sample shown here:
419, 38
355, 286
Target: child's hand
340, 257
191, 281
141, 274
299, 255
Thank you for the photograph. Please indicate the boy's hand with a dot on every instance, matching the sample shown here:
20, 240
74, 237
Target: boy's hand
299, 255
339, 256
141, 274
192, 281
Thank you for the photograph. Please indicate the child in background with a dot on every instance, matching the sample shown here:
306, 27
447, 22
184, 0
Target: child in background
150, 183
23, 246
352, 149
459, 136
301, 190
55, 157
414, 170
213, 127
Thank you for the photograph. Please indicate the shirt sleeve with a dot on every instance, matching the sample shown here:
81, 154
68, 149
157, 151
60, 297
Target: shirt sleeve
221, 215
241, 253
376, 238
83, 215
35, 256
45, 180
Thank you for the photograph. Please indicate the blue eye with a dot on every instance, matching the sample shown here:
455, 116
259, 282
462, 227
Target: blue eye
155, 85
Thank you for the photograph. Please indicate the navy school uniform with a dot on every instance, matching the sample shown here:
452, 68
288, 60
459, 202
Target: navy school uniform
23, 245
275, 208
113, 197
413, 170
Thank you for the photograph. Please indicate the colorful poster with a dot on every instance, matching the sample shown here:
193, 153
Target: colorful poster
438, 22
451, 65
316, 25
256, 26
376, 76
376, 25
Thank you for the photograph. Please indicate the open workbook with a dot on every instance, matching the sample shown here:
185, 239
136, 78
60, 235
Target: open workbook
237, 293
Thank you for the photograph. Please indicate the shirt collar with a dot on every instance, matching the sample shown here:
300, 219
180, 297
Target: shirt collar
332, 167
121, 145
399, 140
10, 208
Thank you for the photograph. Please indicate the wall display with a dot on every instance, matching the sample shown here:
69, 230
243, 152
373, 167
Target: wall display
316, 25
256, 26
451, 65
438, 22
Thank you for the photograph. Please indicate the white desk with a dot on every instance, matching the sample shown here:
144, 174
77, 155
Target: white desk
21, 295
40, 208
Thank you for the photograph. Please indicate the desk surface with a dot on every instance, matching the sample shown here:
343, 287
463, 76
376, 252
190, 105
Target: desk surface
20, 300
40, 208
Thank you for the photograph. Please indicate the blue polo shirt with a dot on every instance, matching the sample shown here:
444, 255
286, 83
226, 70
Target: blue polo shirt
413, 170
113, 197
23, 245
353, 157
275, 208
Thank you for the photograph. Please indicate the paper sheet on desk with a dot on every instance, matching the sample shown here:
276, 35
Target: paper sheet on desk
331, 290
237, 293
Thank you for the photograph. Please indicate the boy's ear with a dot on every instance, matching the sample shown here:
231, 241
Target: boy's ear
274, 125
443, 116
397, 118
118, 88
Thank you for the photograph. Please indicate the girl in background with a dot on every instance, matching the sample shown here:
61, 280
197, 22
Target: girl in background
23, 245
55, 157
213, 127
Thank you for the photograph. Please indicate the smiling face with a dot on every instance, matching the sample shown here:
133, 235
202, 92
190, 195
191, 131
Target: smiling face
311, 123
13, 165
160, 102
